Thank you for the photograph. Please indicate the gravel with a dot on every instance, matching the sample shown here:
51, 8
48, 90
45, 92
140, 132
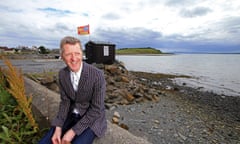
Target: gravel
183, 115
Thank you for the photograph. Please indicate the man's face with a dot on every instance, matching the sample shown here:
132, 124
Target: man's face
72, 56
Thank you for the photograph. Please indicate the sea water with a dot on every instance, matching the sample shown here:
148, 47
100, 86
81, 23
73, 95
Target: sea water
218, 73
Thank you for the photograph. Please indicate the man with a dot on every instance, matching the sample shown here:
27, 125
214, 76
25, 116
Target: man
81, 115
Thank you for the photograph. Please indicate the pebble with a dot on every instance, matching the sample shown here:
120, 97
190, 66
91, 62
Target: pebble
116, 114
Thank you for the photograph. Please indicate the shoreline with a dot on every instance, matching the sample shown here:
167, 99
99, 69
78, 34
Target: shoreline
182, 115
182, 80
162, 54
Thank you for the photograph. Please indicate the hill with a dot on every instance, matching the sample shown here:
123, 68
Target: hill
147, 50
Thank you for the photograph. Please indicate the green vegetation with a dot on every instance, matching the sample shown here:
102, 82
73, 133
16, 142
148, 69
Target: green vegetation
147, 50
17, 124
45, 75
43, 50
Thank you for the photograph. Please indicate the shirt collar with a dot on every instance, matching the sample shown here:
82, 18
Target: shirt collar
78, 74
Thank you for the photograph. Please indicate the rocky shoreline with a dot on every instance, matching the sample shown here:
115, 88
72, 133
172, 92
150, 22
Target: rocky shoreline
154, 107
182, 115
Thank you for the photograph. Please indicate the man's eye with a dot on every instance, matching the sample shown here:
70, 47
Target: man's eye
67, 54
77, 54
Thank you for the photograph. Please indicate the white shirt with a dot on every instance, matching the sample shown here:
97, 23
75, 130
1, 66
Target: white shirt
75, 77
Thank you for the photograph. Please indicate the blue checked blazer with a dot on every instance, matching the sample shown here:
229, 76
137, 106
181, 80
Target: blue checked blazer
89, 100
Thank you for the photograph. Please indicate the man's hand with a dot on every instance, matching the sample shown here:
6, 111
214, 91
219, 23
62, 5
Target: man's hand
56, 138
68, 136
65, 142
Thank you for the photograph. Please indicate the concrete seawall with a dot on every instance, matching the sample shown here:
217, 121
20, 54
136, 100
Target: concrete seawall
47, 101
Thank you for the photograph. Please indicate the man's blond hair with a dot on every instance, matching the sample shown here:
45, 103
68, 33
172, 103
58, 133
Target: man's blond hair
69, 40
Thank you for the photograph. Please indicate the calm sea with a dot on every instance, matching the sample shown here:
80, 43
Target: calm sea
218, 73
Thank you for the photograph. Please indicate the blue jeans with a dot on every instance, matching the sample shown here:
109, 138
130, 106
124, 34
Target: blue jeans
86, 137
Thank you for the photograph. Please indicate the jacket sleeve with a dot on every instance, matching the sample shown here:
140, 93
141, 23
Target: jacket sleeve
63, 106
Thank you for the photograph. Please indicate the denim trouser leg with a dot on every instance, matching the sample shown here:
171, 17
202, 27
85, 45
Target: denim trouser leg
86, 137
47, 137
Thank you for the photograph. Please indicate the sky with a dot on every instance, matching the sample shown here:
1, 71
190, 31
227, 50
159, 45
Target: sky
169, 25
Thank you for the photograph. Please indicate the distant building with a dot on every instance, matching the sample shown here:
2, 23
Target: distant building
100, 52
34, 48
6, 50
2, 49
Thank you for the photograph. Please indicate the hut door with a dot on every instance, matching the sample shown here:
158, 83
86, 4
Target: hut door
105, 50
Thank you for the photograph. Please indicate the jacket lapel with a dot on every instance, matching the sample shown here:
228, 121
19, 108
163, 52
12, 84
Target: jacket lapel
68, 83
83, 78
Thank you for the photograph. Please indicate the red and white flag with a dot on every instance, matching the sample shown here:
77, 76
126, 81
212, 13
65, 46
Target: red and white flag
83, 30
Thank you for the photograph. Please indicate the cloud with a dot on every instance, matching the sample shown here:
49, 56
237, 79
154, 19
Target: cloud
54, 11
134, 37
195, 12
111, 16
181, 3
174, 25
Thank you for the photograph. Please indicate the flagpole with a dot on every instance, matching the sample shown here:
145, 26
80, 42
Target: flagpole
89, 32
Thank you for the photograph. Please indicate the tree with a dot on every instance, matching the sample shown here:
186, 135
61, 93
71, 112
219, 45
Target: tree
43, 50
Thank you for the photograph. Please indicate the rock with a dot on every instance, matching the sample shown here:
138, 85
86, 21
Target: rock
115, 120
124, 126
125, 79
182, 136
47, 80
112, 69
116, 114
156, 122
116, 117
128, 96
54, 87
123, 88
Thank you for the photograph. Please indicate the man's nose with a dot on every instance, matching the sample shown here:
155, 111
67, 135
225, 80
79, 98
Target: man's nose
73, 56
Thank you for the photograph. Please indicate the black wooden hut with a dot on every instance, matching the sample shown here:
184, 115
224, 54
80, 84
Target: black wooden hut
100, 52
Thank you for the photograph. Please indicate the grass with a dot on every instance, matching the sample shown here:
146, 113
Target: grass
17, 90
146, 50
44, 75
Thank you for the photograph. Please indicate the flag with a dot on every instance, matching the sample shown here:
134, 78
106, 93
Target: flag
83, 30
